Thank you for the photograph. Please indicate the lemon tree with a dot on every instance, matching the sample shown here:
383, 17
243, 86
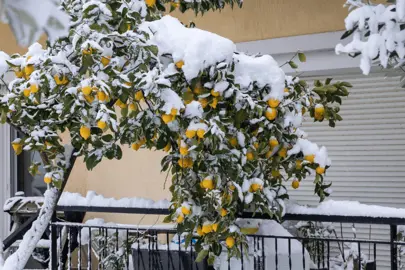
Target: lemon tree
127, 76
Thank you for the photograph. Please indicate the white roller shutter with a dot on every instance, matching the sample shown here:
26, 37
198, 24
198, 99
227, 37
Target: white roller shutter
367, 150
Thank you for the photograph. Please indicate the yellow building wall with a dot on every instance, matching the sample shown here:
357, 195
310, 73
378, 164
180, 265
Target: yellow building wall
138, 173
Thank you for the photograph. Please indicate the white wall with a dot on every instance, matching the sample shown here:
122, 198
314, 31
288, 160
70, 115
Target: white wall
4, 176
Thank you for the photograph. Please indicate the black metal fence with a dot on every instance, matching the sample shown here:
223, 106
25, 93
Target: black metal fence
106, 246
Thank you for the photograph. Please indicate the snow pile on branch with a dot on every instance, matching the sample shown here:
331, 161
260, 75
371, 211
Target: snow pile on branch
347, 208
378, 34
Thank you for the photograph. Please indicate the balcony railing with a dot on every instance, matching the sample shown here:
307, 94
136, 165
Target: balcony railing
112, 246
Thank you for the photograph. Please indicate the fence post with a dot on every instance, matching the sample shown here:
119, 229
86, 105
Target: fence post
393, 253
54, 243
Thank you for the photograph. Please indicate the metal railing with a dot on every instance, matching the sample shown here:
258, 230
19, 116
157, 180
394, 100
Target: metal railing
105, 246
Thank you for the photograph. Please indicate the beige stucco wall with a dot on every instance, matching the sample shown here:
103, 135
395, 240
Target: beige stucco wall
138, 173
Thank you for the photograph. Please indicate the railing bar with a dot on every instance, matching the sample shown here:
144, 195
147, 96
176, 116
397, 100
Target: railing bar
276, 253
289, 253
191, 254
318, 254
375, 253
254, 253
303, 254
69, 248
127, 248
60, 247
149, 255
139, 250
359, 256
179, 250
89, 251
79, 233
241, 257
328, 258
323, 253
168, 251
263, 255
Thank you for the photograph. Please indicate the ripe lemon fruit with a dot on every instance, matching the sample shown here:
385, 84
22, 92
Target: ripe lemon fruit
173, 112
286, 90
175, 4
230, 242
86, 90
256, 145
28, 70
320, 170
215, 227
233, 142
310, 158
167, 118
47, 180
273, 103
255, 187
133, 107
190, 133
275, 173
215, 93
197, 90
60, 80
271, 114
18, 73
88, 51
283, 152
200, 133
214, 103
204, 102
180, 63
101, 96
250, 156
136, 146
184, 151
105, 60
319, 112
295, 184
167, 147
185, 210
27, 92
207, 184
121, 104
85, 132
199, 231
139, 96
17, 147
180, 219
298, 164
34, 88
101, 125
273, 143
207, 228
223, 212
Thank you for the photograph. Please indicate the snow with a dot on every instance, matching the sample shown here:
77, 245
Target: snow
347, 208
171, 101
194, 110
263, 70
3, 64
198, 49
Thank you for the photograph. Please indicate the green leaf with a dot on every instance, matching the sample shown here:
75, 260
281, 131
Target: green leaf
201, 256
293, 64
302, 57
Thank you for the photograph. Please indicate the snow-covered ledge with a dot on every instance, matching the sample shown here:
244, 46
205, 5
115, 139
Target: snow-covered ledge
327, 208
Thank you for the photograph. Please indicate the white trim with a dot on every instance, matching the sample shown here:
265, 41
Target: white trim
4, 177
318, 48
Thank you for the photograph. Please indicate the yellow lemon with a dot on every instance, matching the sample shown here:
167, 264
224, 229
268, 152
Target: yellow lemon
271, 114
207, 228
121, 104
295, 184
180, 218
198, 90
101, 125
17, 147
250, 156
105, 60
199, 231
298, 164
189, 163
230, 242
167, 118
167, 147
173, 112
185, 210
150, 3
28, 70
273, 143
214, 103
175, 4
47, 180
233, 141
273, 103
204, 102
283, 152
255, 187
207, 184
268, 154
101, 96
136, 146
18, 73
215, 93
85, 132
223, 212
215, 227
286, 90
320, 170
34, 88
27, 92
86, 90
310, 158
133, 107
190, 133
139, 96
256, 145
319, 112
179, 64
89, 99
200, 133
184, 151
60, 80
88, 51
275, 173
